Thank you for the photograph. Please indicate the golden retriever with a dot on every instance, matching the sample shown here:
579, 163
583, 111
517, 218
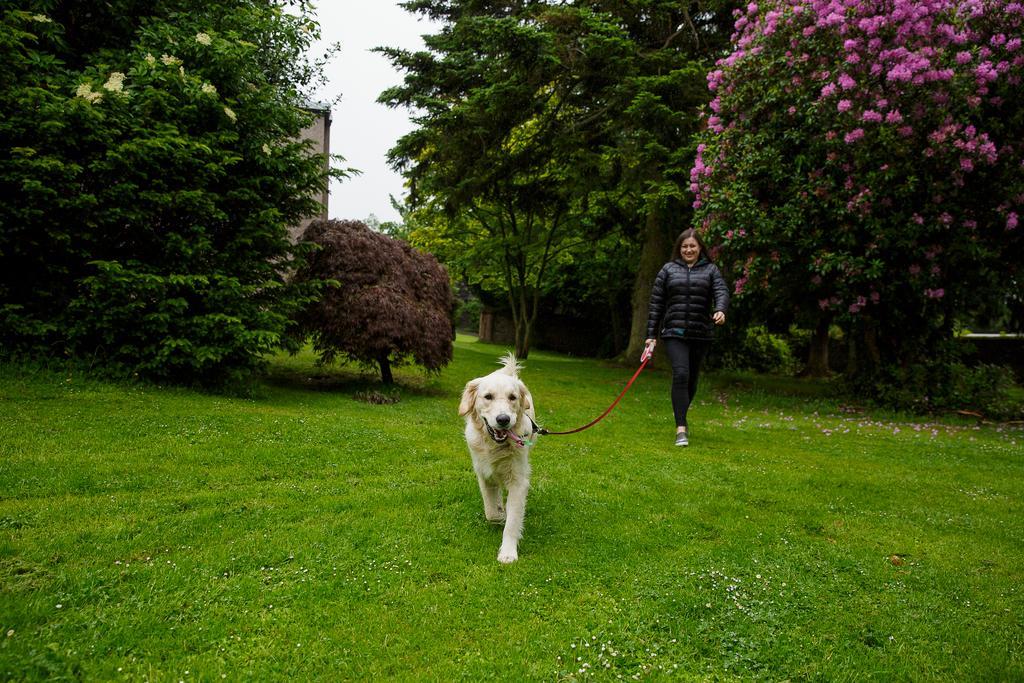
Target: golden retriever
500, 423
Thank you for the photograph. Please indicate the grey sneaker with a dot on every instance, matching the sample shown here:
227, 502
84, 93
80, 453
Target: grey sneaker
681, 439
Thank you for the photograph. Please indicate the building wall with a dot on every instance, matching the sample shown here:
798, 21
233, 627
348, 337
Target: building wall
320, 133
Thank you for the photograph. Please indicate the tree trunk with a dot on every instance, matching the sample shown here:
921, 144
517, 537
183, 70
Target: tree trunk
653, 255
385, 369
871, 345
523, 330
523, 320
817, 361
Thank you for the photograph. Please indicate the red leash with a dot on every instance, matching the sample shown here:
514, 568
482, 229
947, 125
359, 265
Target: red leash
643, 363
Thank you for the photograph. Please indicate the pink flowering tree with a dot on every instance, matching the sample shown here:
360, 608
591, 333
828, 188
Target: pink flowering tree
862, 165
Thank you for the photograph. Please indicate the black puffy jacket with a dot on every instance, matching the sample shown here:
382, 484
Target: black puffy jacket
683, 299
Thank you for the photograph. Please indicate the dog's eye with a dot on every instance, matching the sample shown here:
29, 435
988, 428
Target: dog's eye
511, 397
488, 397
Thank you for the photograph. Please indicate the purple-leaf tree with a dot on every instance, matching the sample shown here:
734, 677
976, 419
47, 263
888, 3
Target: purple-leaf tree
862, 166
390, 303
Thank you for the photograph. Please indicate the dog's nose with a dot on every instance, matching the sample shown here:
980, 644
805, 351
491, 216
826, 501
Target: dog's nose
503, 420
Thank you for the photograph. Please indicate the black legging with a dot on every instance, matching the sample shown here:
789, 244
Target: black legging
686, 357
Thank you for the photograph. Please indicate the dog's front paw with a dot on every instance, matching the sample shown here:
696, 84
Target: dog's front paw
506, 556
496, 517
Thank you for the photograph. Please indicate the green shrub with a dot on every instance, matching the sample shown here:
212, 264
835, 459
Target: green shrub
467, 314
757, 349
943, 386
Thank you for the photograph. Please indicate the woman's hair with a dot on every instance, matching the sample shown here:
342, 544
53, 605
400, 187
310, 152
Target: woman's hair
685, 234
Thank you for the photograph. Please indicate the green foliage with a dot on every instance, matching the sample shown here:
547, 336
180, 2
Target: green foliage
156, 168
545, 133
945, 386
755, 348
467, 313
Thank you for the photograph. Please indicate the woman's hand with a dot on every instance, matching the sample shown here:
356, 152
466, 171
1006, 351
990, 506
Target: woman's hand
719, 318
649, 345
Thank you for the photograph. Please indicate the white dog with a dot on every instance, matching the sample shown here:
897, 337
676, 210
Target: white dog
499, 425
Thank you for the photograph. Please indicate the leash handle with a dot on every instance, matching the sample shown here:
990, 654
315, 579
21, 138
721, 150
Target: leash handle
644, 359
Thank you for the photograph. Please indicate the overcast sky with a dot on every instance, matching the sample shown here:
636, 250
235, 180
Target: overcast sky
363, 131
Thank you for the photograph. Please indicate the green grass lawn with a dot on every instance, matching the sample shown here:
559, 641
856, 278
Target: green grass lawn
164, 534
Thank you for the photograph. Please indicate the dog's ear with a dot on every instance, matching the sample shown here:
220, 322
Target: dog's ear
468, 397
527, 397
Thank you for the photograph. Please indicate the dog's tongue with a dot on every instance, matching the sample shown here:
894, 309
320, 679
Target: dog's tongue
515, 437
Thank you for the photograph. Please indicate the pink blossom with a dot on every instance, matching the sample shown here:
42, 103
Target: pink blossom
935, 293
963, 57
985, 72
871, 116
1011, 221
900, 73
914, 269
854, 135
844, 105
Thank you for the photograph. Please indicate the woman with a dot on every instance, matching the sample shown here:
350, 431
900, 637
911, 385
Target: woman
689, 295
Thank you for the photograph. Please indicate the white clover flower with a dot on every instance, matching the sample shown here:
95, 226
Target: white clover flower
115, 83
209, 88
150, 59
42, 18
170, 60
230, 114
266, 149
181, 71
203, 38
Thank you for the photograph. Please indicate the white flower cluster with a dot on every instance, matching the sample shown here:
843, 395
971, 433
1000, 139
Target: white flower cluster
203, 38
115, 83
86, 92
